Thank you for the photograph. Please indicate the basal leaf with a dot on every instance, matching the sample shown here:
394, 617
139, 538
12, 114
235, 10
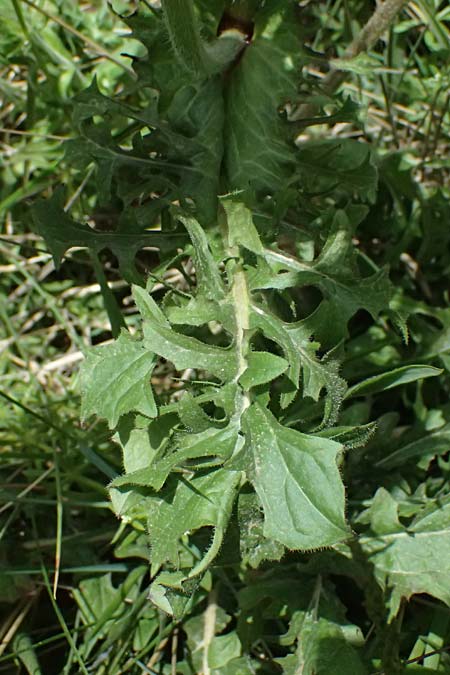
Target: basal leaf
116, 380
180, 154
323, 648
102, 610
298, 482
258, 151
197, 111
220, 650
91, 102
342, 165
22, 645
188, 131
61, 233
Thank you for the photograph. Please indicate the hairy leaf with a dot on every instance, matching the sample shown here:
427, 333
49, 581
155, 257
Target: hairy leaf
209, 283
188, 352
240, 226
209, 448
409, 560
258, 152
298, 482
262, 367
116, 380
189, 504
300, 352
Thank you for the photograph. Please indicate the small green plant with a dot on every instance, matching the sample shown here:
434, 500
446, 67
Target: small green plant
205, 158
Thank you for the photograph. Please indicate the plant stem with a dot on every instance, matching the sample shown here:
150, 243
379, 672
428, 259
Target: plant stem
242, 9
209, 629
199, 58
241, 308
378, 24
241, 302
184, 34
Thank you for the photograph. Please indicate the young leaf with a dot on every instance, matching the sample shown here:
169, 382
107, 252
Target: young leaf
350, 437
254, 546
240, 226
148, 307
262, 367
209, 283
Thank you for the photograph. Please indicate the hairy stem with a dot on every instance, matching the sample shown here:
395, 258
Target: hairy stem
240, 299
184, 33
199, 58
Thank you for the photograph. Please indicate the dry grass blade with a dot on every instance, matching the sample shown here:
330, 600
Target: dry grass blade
13, 622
